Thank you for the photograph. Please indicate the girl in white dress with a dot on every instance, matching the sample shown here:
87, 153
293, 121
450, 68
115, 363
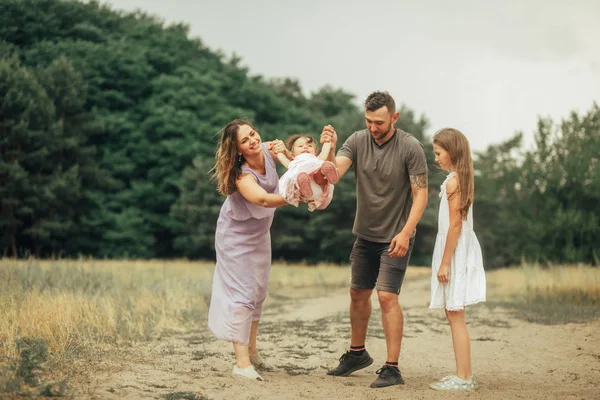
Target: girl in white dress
458, 277
310, 177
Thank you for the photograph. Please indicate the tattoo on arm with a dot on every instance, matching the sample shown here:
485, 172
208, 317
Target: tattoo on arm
419, 181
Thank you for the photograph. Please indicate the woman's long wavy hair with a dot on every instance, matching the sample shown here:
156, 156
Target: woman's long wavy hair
457, 146
228, 163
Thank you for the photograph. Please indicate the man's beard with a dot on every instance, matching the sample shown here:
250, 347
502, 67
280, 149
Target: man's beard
382, 135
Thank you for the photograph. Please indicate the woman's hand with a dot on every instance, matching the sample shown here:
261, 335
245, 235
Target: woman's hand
278, 147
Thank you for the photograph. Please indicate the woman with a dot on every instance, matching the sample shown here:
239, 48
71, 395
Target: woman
245, 173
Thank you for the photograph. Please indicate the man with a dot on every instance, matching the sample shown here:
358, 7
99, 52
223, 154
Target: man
391, 194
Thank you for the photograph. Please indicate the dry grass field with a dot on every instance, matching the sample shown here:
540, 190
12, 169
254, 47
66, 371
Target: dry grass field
54, 315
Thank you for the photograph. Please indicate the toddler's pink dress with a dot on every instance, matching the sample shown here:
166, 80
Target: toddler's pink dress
288, 186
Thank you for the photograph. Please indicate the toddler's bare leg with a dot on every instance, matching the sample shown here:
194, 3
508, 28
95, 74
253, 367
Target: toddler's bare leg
319, 179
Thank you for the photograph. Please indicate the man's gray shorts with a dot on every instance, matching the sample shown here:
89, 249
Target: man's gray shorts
372, 266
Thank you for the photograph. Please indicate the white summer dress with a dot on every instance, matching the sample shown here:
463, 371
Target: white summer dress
466, 284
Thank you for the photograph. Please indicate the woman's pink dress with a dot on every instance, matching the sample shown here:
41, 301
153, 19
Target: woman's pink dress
243, 247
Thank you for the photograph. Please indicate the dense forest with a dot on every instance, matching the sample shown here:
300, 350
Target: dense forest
108, 124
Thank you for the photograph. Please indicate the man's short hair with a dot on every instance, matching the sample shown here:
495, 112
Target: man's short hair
376, 100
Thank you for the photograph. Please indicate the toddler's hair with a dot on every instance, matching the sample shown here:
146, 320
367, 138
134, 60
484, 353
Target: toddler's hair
456, 144
289, 142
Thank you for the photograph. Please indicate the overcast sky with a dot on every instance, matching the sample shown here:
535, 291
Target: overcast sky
488, 68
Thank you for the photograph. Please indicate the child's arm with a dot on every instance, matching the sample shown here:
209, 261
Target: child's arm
453, 231
283, 159
281, 152
325, 150
328, 135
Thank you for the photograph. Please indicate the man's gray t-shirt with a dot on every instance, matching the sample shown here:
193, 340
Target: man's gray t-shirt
383, 190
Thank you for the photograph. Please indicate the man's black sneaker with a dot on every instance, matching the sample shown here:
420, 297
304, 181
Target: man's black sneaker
350, 363
388, 376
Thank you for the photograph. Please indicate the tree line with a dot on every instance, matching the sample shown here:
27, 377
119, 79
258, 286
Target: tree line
108, 124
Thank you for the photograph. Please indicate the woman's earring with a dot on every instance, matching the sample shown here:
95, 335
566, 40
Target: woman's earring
239, 158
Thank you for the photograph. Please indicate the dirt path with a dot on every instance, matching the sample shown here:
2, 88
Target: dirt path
304, 336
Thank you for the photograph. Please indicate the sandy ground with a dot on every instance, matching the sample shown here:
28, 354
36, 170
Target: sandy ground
303, 335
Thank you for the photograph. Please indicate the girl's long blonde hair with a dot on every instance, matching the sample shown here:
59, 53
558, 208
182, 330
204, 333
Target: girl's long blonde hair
228, 163
456, 144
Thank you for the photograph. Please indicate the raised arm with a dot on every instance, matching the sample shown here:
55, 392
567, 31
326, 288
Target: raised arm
325, 151
280, 152
283, 160
328, 135
255, 194
343, 164
276, 146
329, 139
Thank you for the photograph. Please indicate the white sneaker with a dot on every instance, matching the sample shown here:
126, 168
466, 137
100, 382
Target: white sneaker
258, 361
453, 382
248, 372
475, 385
